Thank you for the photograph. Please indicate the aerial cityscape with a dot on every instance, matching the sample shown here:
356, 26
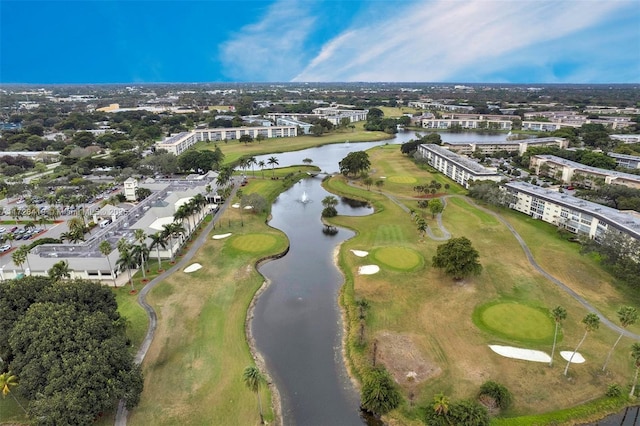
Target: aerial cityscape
319, 213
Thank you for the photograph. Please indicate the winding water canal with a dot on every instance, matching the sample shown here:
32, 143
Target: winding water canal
296, 323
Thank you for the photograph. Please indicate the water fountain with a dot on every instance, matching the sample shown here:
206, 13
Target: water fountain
304, 199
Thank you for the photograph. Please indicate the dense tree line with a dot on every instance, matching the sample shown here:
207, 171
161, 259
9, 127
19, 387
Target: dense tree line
377, 122
619, 254
582, 156
66, 343
619, 197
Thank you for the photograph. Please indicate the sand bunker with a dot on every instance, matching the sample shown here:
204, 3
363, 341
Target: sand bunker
360, 253
235, 206
221, 236
192, 268
368, 269
577, 358
248, 207
519, 353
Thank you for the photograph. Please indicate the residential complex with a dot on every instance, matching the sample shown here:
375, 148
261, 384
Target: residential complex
470, 121
624, 160
570, 172
335, 114
177, 144
520, 146
574, 214
460, 169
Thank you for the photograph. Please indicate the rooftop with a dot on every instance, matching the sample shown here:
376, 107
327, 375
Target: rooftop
463, 161
569, 163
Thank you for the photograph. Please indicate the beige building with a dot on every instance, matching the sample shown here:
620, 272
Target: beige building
490, 147
130, 188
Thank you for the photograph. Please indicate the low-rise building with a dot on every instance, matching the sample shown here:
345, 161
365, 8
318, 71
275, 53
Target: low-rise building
626, 138
624, 160
572, 173
283, 121
460, 169
490, 147
468, 123
571, 213
335, 114
130, 189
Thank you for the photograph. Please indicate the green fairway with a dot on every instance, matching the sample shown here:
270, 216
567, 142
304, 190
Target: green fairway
254, 243
399, 258
401, 179
515, 321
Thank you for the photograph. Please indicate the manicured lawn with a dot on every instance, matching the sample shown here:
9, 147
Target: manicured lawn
435, 314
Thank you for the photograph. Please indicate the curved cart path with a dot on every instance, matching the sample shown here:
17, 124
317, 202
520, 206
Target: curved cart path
527, 252
122, 413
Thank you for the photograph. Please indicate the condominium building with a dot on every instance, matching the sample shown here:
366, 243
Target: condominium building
490, 147
570, 172
624, 160
177, 144
130, 189
467, 123
460, 169
284, 121
335, 114
626, 138
572, 213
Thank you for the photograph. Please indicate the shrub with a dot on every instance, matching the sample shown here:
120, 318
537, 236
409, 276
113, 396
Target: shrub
329, 212
468, 413
498, 392
614, 390
379, 392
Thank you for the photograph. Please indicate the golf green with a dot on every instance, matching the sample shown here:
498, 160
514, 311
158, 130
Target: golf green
401, 258
254, 243
515, 321
402, 179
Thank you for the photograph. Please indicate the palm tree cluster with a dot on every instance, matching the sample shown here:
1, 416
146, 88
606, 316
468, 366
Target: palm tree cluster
431, 188
421, 223
186, 211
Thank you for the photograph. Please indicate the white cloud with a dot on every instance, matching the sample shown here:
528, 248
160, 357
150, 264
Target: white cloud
446, 40
270, 49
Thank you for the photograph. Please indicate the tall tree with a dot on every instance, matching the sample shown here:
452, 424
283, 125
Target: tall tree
127, 262
261, 164
59, 271
559, 314
106, 249
379, 392
627, 315
635, 354
273, 162
7, 381
458, 258
253, 379
436, 207
158, 241
354, 163
143, 251
591, 323
20, 256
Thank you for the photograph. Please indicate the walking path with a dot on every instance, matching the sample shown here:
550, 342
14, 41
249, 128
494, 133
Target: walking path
527, 252
122, 413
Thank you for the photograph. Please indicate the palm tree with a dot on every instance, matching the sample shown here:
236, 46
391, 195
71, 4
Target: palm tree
441, 404
158, 241
106, 249
19, 257
183, 212
171, 230
139, 253
8, 381
141, 237
53, 212
635, 354
329, 201
273, 161
627, 315
591, 322
59, 271
559, 314
126, 261
251, 161
33, 212
15, 213
261, 164
10, 238
253, 379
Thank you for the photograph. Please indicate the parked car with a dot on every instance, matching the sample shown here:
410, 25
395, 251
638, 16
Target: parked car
4, 248
13, 229
2, 230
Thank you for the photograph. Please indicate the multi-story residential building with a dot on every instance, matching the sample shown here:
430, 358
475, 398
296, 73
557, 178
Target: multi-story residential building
335, 114
570, 172
177, 144
130, 188
439, 106
624, 160
519, 146
460, 169
470, 121
283, 121
626, 138
572, 213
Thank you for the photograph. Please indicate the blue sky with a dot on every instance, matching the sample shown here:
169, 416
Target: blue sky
502, 41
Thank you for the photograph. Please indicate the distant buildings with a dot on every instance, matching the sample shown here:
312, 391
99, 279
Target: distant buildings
334, 114
489, 147
456, 167
470, 121
628, 161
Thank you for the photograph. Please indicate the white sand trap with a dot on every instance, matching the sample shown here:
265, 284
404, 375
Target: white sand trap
383, 177
577, 358
519, 353
235, 206
368, 269
221, 236
360, 253
192, 268
248, 207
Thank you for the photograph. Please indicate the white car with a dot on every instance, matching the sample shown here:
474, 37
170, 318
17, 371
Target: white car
2, 230
4, 248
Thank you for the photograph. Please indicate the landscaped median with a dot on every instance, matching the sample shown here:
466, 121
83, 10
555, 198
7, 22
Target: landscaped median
444, 328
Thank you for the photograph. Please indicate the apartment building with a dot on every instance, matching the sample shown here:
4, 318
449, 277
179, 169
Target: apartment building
572, 213
177, 144
626, 138
469, 121
335, 114
490, 147
570, 172
624, 160
460, 169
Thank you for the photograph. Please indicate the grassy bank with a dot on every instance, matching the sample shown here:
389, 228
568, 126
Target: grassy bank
430, 317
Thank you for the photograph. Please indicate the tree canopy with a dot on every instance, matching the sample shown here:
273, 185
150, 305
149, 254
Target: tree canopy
458, 258
66, 343
354, 163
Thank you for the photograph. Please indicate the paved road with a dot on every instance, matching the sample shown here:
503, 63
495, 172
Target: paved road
122, 413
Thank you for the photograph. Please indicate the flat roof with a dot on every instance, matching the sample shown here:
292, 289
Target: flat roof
623, 156
597, 170
462, 161
623, 221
